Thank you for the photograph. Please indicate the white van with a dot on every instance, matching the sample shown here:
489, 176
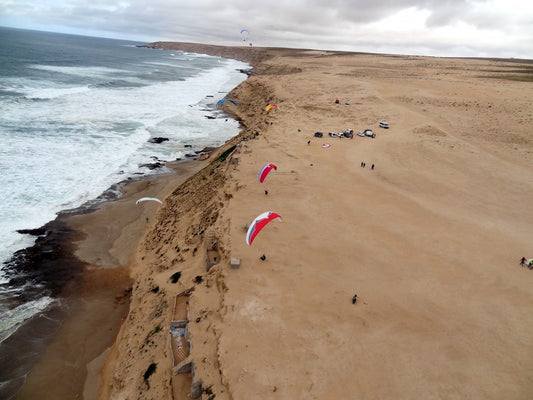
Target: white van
384, 124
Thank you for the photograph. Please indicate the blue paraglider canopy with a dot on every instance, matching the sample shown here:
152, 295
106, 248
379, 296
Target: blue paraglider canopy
223, 100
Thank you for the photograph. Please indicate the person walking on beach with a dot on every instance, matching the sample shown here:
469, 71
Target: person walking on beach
266, 192
523, 261
372, 167
354, 298
263, 257
308, 142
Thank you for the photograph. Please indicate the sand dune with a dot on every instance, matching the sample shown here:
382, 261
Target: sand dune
429, 239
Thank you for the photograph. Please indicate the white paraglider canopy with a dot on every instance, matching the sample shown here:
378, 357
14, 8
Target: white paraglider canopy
148, 199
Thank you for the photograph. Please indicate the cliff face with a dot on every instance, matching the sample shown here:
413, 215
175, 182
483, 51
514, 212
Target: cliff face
192, 215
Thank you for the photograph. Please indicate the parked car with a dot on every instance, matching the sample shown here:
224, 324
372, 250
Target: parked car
384, 124
319, 134
368, 133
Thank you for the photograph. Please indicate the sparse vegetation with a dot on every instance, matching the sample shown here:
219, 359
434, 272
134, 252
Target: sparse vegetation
522, 73
175, 277
157, 329
149, 371
209, 391
225, 154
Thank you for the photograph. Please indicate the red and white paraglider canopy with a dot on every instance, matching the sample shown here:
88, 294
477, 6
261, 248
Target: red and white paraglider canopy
265, 171
259, 223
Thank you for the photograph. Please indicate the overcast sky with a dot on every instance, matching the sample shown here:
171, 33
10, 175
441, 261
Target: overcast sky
482, 28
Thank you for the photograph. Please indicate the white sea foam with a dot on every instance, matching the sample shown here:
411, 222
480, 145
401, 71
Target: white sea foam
52, 93
69, 132
81, 71
68, 150
173, 65
13, 318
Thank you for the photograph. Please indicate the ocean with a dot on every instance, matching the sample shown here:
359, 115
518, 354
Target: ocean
76, 116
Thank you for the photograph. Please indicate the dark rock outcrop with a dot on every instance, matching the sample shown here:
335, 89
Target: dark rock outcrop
158, 140
151, 166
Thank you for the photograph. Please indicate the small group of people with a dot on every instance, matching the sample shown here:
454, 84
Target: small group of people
363, 165
525, 262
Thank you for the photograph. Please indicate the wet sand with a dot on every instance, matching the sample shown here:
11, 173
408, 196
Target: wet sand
78, 335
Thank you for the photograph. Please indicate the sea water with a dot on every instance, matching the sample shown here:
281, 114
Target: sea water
76, 116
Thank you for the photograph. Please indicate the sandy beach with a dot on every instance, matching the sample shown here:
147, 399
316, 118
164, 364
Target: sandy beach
96, 303
429, 239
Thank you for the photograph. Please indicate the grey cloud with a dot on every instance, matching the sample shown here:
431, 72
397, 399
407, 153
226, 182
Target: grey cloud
212, 15
329, 24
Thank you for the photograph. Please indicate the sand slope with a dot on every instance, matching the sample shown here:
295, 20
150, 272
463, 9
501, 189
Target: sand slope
429, 240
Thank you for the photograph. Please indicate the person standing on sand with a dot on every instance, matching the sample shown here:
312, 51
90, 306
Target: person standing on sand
354, 298
263, 257
523, 261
